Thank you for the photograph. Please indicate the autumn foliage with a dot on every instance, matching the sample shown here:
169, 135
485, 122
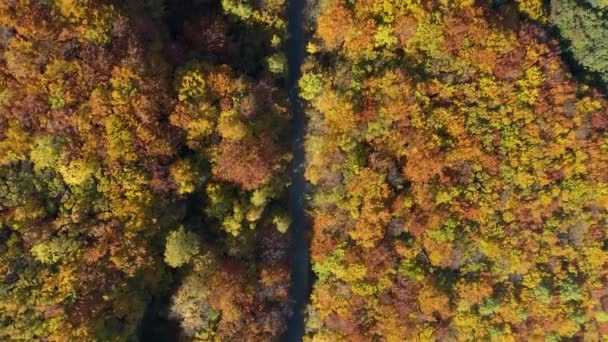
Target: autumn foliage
459, 172
457, 169
133, 150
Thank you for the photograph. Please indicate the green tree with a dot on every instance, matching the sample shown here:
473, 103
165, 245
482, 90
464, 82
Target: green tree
586, 28
46, 153
181, 245
310, 85
277, 63
185, 175
238, 8
281, 222
51, 252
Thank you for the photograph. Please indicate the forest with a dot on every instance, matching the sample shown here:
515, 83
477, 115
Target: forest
142, 170
456, 169
459, 172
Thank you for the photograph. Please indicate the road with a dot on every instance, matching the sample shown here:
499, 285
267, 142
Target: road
300, 257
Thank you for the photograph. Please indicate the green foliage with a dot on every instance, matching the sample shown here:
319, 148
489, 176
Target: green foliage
186, 175
601, 4
570, 291
384, 37
191, 85
412, 269
78, 171
447, 232
533, 8
542, 294
233, 222
238, 8
310, 85
46, 153
585, 28
489, 307
332, 263
282, 222
57, 98
277, 63
602, 317
180, 247
52, 251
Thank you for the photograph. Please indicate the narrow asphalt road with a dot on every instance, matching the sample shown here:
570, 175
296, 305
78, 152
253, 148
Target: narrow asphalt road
300, 258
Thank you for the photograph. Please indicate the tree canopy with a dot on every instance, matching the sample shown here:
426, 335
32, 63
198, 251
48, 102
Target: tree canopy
459, 177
